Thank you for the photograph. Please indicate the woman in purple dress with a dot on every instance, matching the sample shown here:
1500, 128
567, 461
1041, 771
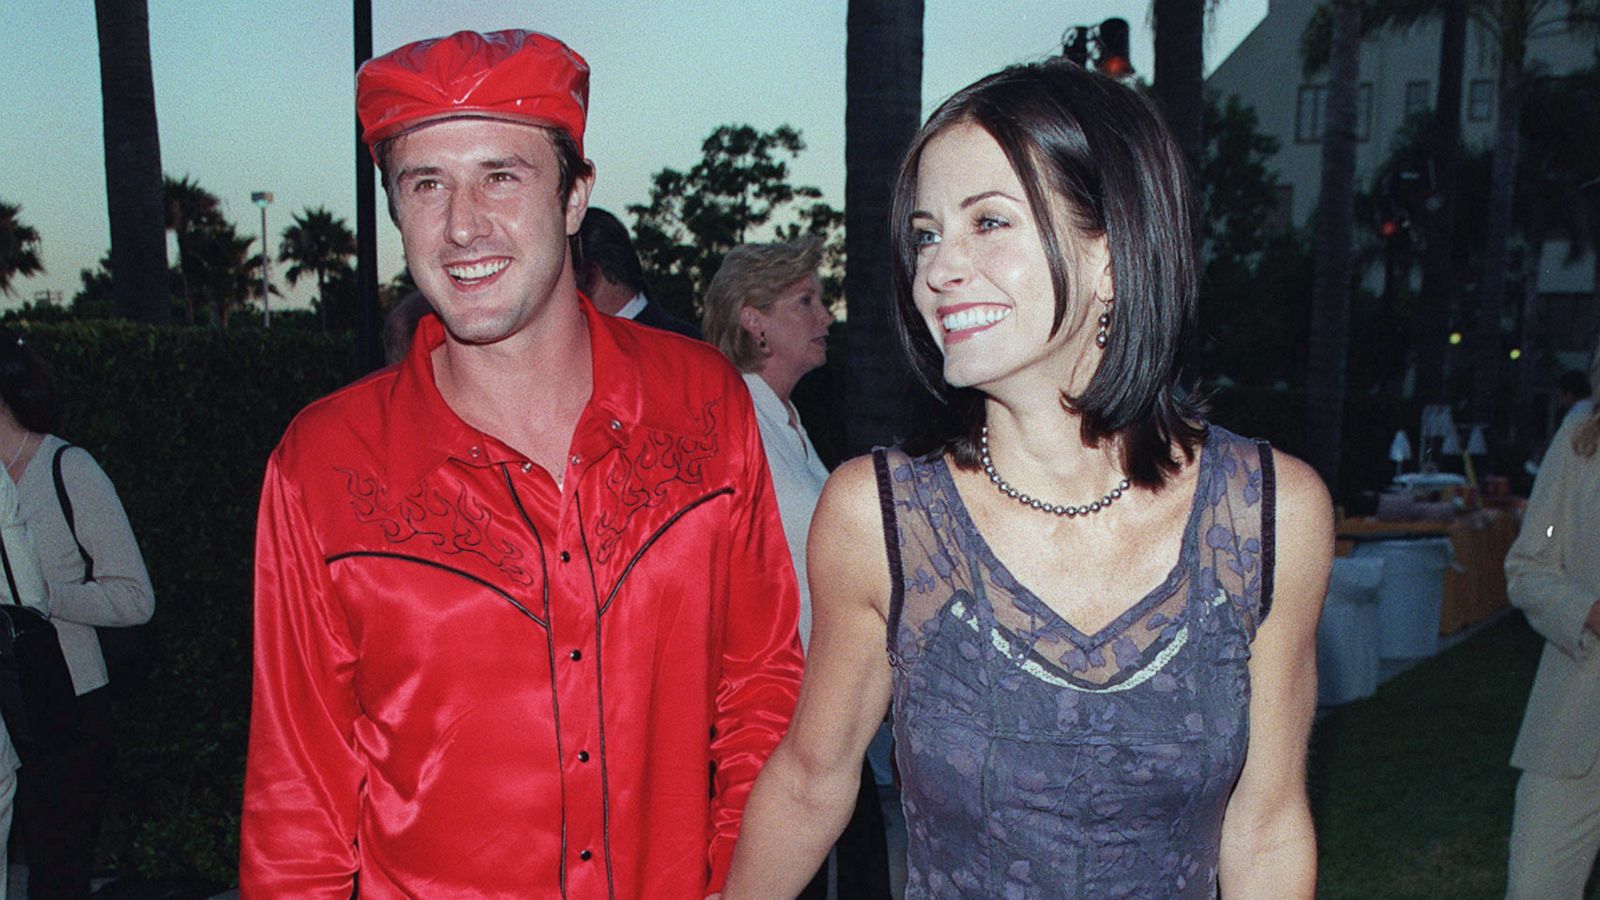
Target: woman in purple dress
1075, 571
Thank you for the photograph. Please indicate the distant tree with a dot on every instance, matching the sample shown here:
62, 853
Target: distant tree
227, 272
1252, 258
739, 186
320, 245
19, 247
132, 161
191, 211
93, 299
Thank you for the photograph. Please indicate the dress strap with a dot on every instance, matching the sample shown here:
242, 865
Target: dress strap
891, 542
1269, 519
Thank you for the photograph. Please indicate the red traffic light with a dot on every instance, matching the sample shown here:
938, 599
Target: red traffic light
1113, 58
1116, 66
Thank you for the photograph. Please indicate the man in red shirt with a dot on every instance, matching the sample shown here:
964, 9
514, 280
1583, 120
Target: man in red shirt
520, 596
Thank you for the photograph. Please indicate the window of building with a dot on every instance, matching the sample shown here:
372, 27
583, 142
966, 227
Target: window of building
1311, 113
1418, 97
1480, 100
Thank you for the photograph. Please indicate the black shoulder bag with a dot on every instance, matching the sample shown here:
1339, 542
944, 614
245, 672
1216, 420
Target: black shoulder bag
36, 695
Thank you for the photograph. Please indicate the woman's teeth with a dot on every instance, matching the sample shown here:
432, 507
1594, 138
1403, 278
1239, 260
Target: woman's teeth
973, 317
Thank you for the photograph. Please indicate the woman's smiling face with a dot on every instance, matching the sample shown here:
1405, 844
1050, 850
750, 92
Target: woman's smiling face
982, 281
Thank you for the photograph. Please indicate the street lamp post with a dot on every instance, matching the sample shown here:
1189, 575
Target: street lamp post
263, 199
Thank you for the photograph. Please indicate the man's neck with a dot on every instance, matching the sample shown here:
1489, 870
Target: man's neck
527, 390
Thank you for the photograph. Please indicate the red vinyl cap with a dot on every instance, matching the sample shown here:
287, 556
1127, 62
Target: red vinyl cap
516, 75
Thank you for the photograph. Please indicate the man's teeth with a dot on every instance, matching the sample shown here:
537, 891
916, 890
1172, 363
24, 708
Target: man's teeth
476, 270
975, 316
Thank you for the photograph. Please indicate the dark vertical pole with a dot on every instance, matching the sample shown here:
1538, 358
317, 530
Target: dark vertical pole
135, 203
1334, 269
883, 88
366, 218
1439, 278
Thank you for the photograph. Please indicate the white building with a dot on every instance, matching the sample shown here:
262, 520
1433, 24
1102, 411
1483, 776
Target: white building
1399, 72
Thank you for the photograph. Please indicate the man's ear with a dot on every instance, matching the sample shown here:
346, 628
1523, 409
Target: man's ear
578, 200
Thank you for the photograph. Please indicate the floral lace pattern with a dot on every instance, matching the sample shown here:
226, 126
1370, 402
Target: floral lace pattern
1038, 761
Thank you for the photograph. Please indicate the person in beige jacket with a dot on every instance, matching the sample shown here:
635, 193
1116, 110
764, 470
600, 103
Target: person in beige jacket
1553, 576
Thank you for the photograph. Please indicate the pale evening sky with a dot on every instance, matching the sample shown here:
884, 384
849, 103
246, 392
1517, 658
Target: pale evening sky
260, 95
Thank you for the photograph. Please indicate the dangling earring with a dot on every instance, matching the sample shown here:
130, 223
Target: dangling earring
1104, 334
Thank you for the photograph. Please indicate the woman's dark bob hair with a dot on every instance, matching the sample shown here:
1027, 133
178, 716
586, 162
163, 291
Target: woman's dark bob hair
1102, 147
26, 385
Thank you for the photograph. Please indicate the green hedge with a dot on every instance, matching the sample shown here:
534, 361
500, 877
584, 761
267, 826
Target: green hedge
183, 419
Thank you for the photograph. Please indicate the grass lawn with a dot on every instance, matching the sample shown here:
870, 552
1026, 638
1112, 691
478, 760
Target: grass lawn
1411, 789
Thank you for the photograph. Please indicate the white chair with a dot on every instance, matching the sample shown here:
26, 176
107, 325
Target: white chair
1347, 635
1410, 594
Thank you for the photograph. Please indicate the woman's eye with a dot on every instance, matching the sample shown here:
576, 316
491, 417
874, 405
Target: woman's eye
924, 238
989, 223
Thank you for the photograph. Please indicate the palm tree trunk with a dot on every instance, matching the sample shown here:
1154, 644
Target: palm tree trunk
1180, 73
134, 199
1525, 423
1438, 263
1487, 352
883, 99
1333, 273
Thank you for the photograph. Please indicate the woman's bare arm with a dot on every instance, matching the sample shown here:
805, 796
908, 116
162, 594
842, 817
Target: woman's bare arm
803, 797
1269, 846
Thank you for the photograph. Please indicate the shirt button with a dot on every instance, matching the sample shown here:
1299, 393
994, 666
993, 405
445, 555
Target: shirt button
527, 467
615, 425
577, 460
565, 556
583, 756
584, 855
575, 655
475, 452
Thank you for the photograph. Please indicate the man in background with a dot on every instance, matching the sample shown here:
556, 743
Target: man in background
609, 274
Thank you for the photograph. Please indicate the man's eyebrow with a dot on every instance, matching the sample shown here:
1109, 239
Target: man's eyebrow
416, 172
506, 162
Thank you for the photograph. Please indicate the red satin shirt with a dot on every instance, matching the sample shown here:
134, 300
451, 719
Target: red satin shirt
472, 683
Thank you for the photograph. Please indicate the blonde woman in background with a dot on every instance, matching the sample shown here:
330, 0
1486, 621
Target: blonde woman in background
1553, 576
765, 312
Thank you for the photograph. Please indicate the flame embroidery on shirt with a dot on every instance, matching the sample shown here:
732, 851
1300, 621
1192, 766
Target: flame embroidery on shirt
641, 481
449, 525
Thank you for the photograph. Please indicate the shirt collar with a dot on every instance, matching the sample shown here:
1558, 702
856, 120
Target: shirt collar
766, 400
632, 308
422, 432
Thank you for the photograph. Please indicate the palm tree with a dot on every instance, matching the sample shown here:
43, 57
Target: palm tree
318, 244
883, 99
1333, 270
19, 247
1438, 260
191, 210
133, 161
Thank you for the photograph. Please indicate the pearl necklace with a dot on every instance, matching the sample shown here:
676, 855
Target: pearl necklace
1034, 502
